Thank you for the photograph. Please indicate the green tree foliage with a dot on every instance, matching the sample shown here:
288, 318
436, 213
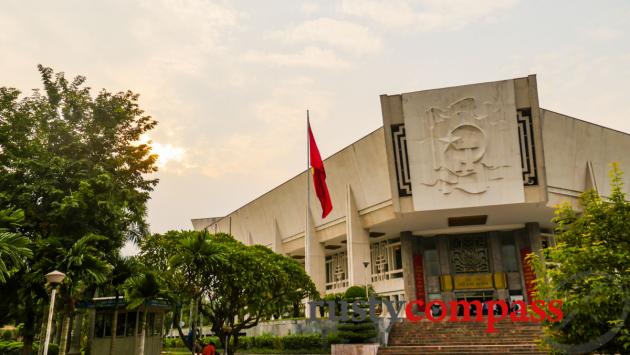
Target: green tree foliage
14, 248
354, 330
589, 270
72, 163
139, 291
84, 264
236, 285
122, 269
254, 283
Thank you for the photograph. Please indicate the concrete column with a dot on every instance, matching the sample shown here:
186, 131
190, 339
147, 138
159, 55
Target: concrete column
358, 243
406, 245
276, 238
315, 258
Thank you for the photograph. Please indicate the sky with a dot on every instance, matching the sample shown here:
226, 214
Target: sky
229, 81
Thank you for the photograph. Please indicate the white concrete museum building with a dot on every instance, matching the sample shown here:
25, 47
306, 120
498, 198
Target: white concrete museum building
443, 201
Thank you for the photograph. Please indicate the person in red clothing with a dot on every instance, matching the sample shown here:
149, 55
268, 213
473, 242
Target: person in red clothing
210, 349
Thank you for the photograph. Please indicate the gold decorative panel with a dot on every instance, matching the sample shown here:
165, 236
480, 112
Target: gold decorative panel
469, 255
473, 282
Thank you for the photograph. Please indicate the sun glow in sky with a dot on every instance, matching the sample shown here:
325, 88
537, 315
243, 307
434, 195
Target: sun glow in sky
165, 152
229, 81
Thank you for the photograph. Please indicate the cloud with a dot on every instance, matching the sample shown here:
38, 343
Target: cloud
424, 15
309, 7
313, 57
277, 126
604, 33
339, 34
579, 83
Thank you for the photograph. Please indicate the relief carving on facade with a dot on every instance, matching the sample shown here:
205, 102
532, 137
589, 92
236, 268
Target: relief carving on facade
467, 140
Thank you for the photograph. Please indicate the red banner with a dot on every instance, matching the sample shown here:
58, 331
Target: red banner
418, 272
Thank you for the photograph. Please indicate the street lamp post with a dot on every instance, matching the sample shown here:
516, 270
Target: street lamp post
365, 264
53, 278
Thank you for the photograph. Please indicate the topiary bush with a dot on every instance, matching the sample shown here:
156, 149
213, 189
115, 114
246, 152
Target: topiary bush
354, 292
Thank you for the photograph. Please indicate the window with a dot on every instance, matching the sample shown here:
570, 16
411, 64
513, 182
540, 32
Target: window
337, 271
431, 262
386, 260
107, 324
98, 325
508, 255
131, 324
120, 324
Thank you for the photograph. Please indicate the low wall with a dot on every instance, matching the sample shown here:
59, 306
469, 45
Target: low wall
354, 349
293, 326
306, 326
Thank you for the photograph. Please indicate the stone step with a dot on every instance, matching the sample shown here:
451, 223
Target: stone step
427, 337
462, 349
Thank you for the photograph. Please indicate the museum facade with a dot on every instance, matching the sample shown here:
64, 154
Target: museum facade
444, 201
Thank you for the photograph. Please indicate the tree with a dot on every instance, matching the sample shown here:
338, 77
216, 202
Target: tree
196, 259
139, 291
589, 271
254, 283
84, 264
14, 248
122, 269
72, 162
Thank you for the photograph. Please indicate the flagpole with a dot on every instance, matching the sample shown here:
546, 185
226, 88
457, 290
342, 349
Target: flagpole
307, 239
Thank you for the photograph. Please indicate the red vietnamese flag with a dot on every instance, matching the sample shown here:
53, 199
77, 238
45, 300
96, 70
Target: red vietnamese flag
319, 175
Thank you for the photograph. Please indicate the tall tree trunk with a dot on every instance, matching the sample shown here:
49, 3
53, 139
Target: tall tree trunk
29, 326
42, 331
193, 326
143, 331
75, 334
65, 332
112, 343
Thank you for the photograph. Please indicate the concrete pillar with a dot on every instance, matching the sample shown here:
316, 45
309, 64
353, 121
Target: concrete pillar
358, 243
315, 258
533, 235
276, 238
407, 250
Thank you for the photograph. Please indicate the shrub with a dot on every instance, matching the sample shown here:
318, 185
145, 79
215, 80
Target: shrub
245, 343
355, 292
173, 343
15, 348
206, 340
7, 334
333, 338
302, 341
266, 341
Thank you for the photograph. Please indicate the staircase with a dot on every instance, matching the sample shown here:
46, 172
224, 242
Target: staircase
426, 337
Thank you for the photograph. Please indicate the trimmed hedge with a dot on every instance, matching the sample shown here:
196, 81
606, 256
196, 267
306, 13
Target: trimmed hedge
265, 341
288, 342
15, 348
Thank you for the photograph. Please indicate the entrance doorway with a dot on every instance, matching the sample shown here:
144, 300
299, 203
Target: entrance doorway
481, 295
